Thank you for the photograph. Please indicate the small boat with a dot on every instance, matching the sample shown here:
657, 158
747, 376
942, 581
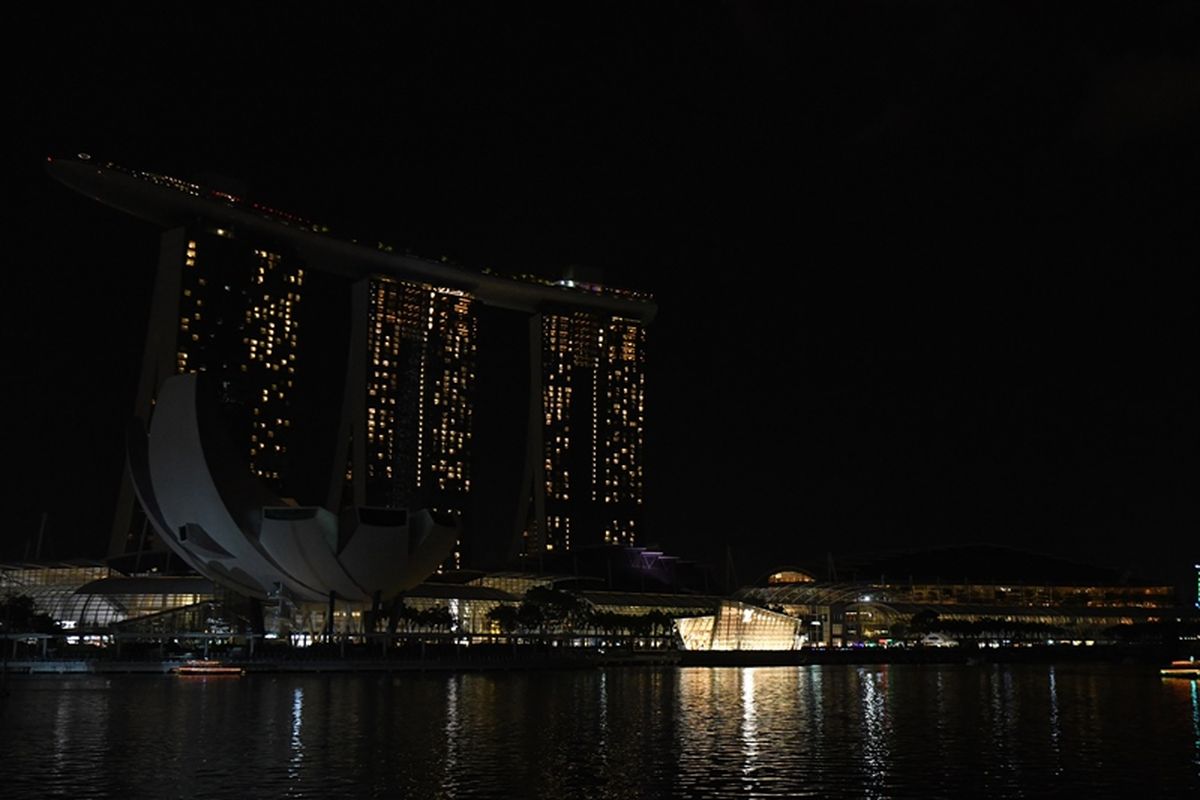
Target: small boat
1189, 668
201, 667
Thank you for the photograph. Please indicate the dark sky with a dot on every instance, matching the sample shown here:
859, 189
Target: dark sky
926, 271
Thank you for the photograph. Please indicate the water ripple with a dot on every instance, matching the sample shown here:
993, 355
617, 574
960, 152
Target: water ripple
819, 731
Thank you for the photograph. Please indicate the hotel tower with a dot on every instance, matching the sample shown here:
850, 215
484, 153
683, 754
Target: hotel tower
348, 376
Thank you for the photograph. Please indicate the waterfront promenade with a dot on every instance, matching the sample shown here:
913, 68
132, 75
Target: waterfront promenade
441, 656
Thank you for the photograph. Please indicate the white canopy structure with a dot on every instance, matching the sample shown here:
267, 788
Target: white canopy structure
230, 528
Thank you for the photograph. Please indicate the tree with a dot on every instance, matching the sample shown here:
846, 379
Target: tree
660, 622
402, 613
558, 609
19, 614
924, 622
505, 617
530, 617
437, 617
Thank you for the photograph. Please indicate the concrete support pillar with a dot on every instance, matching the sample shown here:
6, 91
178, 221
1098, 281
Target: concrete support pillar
329, 621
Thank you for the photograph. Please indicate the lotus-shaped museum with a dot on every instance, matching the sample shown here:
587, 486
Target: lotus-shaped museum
229, 527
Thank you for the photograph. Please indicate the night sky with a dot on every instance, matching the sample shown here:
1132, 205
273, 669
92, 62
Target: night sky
926, 271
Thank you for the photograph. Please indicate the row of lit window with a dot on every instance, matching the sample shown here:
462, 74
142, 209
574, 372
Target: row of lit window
558, 532
620, 532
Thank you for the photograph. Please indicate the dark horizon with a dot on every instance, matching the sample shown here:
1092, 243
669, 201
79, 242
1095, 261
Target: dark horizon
914, 290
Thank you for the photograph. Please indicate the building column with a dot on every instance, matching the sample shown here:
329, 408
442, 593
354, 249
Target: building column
533, 485
352, 432
158, 364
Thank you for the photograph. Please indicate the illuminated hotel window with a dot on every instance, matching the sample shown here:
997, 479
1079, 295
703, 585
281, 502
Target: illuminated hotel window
592, 423
421, 346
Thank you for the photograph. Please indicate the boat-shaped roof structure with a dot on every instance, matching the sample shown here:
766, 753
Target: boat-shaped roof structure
168, 201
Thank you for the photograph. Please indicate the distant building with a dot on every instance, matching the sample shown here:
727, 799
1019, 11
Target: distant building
998, 591
239, 312
738, 626
348, 375
230, 309
410, 395
88, 597
585, 469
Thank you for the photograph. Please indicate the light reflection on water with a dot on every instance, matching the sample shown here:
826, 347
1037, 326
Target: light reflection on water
832, 731
1055, 730
297, 753
1196, 718
1192, 688
875, 734
749, 729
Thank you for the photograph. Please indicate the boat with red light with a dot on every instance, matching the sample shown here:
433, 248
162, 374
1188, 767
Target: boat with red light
1188, 668
208, 668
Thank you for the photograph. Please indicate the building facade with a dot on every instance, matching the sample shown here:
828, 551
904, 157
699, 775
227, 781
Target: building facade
586, 479
346, 375
234, 311
231, 310
975, 591
406, 434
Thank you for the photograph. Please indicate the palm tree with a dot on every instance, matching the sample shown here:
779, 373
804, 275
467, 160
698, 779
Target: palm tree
505, 618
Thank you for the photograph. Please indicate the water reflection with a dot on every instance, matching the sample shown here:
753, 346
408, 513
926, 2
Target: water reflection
940, 716
296, 753
77, 728
451, 730
602, 713
63, 729
749, 729
1055, 729
621, 733
876, 734
1004, 724
1196, 718
815, 676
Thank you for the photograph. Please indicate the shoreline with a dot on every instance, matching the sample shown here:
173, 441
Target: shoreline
532, 658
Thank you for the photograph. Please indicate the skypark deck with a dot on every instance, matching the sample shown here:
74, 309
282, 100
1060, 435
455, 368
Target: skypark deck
169, 202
